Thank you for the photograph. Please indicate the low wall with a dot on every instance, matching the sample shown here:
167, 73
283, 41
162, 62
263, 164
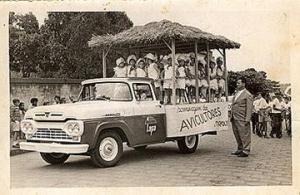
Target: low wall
44, 89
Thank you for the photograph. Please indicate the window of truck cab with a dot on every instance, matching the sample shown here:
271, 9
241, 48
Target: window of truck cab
142, 92
112, 91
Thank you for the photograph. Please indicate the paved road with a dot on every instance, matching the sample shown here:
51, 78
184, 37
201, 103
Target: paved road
162, 165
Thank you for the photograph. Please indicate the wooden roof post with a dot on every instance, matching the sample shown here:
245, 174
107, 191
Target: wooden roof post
103, 64
208, 70
226, 74
174, 73
196, 72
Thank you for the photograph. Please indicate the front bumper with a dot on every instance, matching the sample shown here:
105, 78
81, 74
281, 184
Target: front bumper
55, 147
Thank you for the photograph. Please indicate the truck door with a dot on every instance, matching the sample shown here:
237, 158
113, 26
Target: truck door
149, 126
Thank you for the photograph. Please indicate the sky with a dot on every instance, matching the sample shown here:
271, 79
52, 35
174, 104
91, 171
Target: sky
262, 33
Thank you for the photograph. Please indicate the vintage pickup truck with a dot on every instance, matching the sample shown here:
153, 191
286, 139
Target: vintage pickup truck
113, 111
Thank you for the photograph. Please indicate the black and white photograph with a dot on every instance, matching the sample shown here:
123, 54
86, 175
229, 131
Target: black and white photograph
150, 94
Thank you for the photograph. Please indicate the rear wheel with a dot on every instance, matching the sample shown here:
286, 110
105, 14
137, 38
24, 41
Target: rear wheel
188, 144
54, 158
108, 150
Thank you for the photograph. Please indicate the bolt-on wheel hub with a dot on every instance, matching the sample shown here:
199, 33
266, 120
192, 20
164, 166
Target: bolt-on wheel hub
190, 141
108, 149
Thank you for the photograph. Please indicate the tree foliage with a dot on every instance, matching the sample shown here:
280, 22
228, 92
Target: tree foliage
59, 47
256, 81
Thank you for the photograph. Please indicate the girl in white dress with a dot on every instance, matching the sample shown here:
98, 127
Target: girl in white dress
213, 78
220, 76
140, 69
202, 75
121, 68
153, 72
167, 85
131, 61
181, 76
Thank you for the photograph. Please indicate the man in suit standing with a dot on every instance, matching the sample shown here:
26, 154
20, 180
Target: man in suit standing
241, 111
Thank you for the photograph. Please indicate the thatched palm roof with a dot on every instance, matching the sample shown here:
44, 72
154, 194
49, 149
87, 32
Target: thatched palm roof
155, 33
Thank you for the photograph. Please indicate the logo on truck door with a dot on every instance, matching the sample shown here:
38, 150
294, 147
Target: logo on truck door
150, 125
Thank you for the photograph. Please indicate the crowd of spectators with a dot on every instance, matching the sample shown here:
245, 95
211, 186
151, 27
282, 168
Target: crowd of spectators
17, 113
271, 115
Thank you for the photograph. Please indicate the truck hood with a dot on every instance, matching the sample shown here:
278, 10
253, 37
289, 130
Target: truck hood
80, 110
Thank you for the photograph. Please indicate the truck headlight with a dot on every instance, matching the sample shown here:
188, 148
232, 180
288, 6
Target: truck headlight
27, 127
74, 128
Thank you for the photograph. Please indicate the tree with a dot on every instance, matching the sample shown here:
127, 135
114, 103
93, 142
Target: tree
24, 42
256, 81
71, 31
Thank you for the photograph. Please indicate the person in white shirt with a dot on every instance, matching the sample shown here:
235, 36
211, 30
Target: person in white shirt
202, 75
276, 116
254, 115
167, 85
288, 119
131, 61
213, 78
140, 70
190, 80
261, 107
153, 72
121, 68
241, 109
181, 75
220, 76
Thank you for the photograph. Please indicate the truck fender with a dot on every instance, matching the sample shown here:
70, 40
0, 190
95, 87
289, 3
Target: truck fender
119, 126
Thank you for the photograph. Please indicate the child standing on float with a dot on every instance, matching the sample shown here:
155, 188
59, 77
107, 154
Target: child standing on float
131, 61
121, 68
181, 75
141, 68
153, 72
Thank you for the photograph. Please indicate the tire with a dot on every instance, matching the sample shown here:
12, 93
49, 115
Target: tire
140, 148
188, 144
108, 150
54, 158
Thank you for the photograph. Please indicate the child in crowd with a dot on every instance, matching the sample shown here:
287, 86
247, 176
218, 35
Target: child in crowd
167, 85
57, 99
220, 77
140, 70
131, 61
121, 68
34, 102
15, 119
153, 72
22, 115
181, 75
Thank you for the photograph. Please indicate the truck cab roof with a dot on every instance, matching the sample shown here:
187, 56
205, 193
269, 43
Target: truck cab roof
117, 79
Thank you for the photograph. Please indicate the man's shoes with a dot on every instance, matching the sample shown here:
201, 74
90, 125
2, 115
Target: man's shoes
242, 154
271, 135
236, 152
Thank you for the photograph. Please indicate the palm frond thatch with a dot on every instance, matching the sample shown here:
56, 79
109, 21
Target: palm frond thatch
157, 32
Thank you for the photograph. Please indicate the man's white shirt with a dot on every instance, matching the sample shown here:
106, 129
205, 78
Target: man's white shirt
238, 93
260, 103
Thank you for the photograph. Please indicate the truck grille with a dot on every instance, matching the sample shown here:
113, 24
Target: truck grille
51, 135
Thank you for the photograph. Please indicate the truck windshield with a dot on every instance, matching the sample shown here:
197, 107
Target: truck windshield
106, 91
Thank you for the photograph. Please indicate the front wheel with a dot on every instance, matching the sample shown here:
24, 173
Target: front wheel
188, 144
108, 150
54, 158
